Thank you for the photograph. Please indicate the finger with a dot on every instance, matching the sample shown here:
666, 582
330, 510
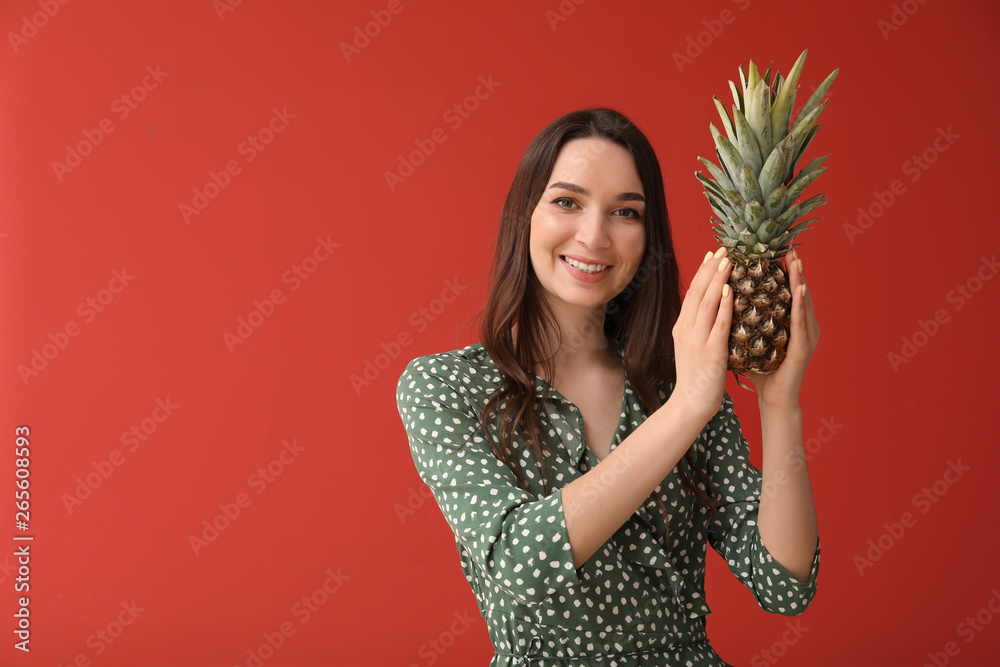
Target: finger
810, 315
699, 283
793, 269
724, 318
798, 334
708, 310
805, 296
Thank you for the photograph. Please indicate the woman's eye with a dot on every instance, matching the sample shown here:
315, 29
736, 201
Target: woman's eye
566, 200
629, 213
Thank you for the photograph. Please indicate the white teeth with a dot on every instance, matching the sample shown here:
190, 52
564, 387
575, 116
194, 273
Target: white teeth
589, 268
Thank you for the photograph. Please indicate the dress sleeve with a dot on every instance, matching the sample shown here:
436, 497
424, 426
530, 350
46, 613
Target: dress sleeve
733, 532
516, 537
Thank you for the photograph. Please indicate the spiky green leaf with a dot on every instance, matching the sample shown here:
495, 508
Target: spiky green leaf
724, 116
800, 184
748, 185
718, 174
737, 95
785, 219
811, 167
817, 96
758, 116
801, 149
765, 232
753, 213
801, 135
735, 199
728, 155
752, 78
710, 185
772, 174
781, 111
746, 142
811, 204
774, 203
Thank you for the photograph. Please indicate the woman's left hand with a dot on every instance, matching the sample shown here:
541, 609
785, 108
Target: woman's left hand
780, 389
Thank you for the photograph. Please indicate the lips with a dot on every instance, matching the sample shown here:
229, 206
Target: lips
586, 260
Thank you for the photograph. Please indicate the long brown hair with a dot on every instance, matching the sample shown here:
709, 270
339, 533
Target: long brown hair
640, 318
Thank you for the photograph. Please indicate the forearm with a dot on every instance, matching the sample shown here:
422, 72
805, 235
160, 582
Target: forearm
787, 516
599, 502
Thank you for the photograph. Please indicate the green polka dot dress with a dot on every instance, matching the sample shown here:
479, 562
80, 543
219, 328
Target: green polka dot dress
637, 602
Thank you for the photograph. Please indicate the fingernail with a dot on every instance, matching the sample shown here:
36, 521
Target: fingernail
795, 254
708, 256
799, 261
720, 252
724, 263
803, 289
725, 290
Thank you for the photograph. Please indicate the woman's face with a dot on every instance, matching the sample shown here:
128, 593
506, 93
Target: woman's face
592, 210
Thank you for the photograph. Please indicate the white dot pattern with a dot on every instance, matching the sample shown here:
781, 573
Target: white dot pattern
637, 602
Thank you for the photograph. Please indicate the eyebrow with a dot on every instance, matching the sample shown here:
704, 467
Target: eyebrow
573, 187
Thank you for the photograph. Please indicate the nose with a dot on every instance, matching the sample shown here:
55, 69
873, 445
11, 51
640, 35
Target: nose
593, 232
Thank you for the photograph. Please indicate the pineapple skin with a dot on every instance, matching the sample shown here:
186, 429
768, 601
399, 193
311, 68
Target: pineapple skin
758, 337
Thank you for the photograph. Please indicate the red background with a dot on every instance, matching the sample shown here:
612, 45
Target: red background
336, 506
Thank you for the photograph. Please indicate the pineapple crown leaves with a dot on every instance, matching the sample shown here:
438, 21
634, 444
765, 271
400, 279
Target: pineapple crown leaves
754, 188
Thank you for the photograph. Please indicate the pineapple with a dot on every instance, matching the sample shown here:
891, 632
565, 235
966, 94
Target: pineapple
753, 192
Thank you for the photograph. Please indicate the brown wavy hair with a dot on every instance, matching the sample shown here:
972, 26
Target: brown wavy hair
640, 318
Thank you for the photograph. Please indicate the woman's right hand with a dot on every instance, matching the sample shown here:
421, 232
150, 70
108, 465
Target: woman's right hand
701, 337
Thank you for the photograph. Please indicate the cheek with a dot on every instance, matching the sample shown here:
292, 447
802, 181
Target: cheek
538, 241
544, 234
636, 243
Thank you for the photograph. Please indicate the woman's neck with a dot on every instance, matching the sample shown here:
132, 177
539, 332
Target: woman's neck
584, 344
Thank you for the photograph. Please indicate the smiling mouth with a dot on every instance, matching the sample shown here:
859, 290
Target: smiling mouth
587, 268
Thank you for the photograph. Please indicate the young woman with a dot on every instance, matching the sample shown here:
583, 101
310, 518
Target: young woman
586, 452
